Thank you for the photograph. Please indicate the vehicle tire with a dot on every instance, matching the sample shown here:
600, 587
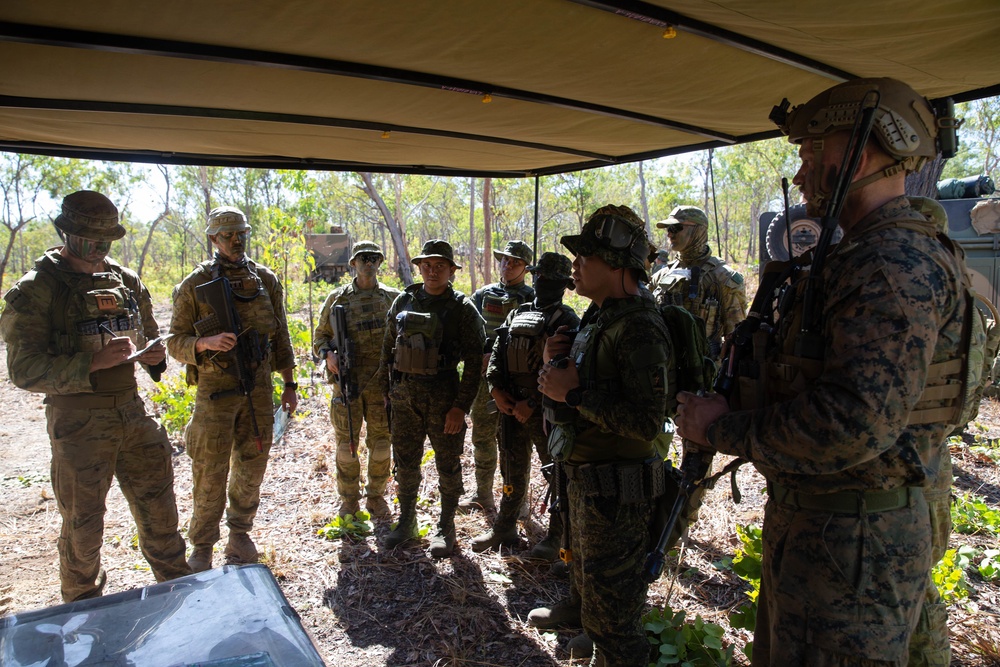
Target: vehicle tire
805, 233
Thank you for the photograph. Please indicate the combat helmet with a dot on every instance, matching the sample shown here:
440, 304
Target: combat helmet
366, 247
226, 218
553, 266
615, 234
89, 215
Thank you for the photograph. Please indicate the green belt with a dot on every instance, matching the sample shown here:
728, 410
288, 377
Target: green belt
90, 401
845, 502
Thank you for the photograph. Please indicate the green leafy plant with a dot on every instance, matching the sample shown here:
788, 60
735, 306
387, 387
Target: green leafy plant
747, 564
353, 525
989, 566
971, 515
689, 644
174, 401
949, 576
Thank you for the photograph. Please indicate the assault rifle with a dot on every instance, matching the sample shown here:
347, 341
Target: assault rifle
504, 425
345, 356
245, 357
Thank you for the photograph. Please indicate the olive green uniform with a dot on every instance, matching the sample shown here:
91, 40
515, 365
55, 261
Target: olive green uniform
622, 357
366, 311
426, 337
849, 442
494, 302
219, 437
98, 426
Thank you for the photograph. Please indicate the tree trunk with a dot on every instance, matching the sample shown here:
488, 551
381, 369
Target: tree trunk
206, 193
644, 203
405, 274
472, 232
159, 219
487, 230
6, 253
924, 182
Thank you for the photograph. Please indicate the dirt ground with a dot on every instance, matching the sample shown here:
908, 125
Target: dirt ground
366, 606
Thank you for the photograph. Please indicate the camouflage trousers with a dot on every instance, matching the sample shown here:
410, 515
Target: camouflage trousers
515, 467
89, 448
484, 438
418, 412
370, 407
929, 645
610, 540
839, 589
224, 455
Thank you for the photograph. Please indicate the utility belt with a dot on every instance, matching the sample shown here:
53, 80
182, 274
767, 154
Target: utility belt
846, 502
628, 482
91, 401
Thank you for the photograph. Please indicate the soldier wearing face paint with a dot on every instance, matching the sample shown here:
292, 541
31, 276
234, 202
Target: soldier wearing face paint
494, 302
228, 446
72, 326
848, 414
365, 301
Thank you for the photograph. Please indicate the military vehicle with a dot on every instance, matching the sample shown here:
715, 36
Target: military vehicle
332, 254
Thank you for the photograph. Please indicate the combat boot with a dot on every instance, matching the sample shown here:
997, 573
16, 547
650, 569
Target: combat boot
377, 507
406, 529
482, 500
580, 646
563, 614
547, 549
240, 549
201, 559
348, 506
495, 538
443, 542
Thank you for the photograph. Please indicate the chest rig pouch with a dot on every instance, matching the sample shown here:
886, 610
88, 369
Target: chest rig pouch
525, 343
108, 310
418, 343
496, 308
563, 418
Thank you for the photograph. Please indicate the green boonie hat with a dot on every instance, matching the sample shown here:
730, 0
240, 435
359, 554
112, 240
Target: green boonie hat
437, 248
226, 218
517, 250
552, 266
367, 247
689, 214
89, 215
615, 234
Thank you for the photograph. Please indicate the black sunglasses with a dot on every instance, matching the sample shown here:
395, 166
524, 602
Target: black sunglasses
675, 228
369, 257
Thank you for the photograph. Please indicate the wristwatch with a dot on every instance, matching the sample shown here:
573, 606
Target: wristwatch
574, 397
291, 385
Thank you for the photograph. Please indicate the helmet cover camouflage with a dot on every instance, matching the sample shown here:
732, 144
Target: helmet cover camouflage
368, 247
552, 266
437, 248
89, 215
226, 218
516, 249
615, 234
689, 214
905, 126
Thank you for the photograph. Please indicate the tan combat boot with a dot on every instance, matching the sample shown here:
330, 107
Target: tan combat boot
200, 559
348, 506
240, 549
563, 614
377, 507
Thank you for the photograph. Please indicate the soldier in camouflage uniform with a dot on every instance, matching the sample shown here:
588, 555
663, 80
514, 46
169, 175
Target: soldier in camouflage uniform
220, 437
616, 389
366, 301
512, 377
494, 303
430, 328
849, 441
71, 326
662, 259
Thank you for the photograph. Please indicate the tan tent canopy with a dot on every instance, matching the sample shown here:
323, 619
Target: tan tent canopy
455, 87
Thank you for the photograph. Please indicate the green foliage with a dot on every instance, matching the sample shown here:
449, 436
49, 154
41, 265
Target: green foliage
174, 402
747, 564
989, 566
971, 515
949, 576
689, 644
353, 525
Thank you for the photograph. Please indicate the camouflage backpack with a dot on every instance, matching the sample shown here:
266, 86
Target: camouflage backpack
982, 348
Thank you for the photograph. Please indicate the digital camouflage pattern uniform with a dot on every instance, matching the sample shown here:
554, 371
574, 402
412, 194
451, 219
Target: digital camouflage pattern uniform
514, 365
426, 337
219, 437
622, 356
98, 425
366, 311
846, 453
494, 303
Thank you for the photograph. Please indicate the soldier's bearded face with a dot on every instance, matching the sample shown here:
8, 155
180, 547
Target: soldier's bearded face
816, 178
436, 274
232, 244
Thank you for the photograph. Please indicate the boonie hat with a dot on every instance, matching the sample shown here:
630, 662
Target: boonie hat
89, 215
369, 247
552, 266
226, 218
517, 250
437, 248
